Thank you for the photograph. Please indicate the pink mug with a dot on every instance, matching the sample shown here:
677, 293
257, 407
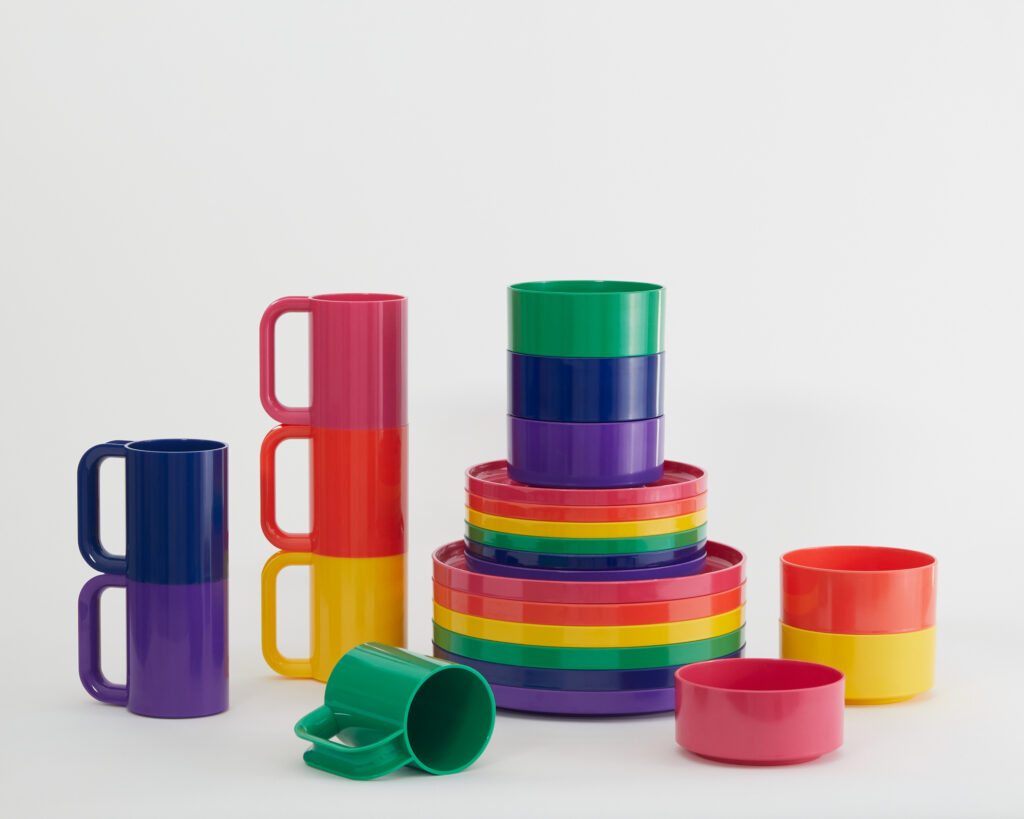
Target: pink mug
357, 361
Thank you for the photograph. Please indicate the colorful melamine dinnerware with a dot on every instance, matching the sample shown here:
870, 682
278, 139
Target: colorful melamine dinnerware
492, 480
587, 531
693, 565
586, 546
585, 563
586, 455
554, 388
560, 679
589, 614
586, 514
858, 590
583, 703
755, 711
879, 668
586, 319
724, 569
532, 634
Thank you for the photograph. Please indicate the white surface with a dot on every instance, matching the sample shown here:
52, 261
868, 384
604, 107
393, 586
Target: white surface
831, 193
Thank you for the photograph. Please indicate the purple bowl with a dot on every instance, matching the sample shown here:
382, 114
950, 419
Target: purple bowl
694, 565
586, 455
546, 701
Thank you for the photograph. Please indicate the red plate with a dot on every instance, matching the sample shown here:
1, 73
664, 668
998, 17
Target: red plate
491, 480
725, 569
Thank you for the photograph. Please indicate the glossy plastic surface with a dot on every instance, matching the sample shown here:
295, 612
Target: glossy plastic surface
586, 514
357, 361
397, 708
585, 563
725, 568
755, 711
584, 614
858, 589
551, 388
175, 507
588, 658
546, 453
586, 319
879, 668
693, 565
656, 634
679, 481
563, 529
177, 643
358, 491
586, 546
353, 600
558, 679
593, 703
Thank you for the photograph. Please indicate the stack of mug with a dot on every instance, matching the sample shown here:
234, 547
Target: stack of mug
587, 510
356, 423
868, 611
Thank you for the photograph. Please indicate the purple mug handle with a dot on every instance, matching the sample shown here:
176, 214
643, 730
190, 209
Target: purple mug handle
89, 671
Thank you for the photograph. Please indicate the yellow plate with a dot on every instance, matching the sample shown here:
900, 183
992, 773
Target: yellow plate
532, 634
879, 668
558, 528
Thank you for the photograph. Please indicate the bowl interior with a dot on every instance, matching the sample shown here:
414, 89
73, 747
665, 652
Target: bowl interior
858, 559
759, 674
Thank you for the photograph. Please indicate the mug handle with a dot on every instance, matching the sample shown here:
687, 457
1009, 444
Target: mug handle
89, 509
279, 538
275, 409
363, 762
89, 670
271, 569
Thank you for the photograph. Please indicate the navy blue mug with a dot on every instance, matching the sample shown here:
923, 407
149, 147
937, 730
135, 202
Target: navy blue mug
176, 510
580, 390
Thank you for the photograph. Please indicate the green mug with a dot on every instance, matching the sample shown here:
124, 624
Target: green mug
397, 708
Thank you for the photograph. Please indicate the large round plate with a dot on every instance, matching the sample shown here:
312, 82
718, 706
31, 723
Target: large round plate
725, 568
584, 703
570, 529
691, 566
491, 480
585, 563
586, 546
586, 514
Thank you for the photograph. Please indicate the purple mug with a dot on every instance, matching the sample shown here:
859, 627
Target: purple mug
177, 647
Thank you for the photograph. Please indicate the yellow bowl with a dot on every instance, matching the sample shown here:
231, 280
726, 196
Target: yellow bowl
532, 634
614, 529
879, 668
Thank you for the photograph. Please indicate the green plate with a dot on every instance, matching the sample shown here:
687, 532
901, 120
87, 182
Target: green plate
588, 545
594, 659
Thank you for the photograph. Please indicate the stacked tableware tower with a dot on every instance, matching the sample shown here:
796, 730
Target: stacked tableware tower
586, 577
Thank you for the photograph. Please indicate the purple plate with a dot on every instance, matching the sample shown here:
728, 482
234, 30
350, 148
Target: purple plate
544, 701
586, 455
695, 565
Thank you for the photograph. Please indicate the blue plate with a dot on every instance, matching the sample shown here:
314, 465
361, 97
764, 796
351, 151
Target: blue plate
584, 563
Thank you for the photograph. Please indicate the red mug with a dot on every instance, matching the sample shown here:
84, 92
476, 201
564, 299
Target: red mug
358, 491
357, 361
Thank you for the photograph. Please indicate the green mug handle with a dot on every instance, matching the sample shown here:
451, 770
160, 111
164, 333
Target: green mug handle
365, 762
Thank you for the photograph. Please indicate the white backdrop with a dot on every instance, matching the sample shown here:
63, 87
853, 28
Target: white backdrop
832, 194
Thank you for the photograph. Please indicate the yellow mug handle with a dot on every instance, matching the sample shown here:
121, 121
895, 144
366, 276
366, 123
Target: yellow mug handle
287, 666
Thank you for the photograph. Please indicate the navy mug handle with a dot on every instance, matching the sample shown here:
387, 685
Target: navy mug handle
89, 509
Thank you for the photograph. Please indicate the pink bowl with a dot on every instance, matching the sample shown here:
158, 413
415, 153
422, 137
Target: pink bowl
756, 711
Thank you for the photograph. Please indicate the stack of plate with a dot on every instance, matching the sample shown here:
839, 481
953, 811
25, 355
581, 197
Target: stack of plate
586, 577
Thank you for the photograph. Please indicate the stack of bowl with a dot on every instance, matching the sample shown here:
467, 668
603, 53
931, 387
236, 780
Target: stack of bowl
587, 577
868, 611
585, 383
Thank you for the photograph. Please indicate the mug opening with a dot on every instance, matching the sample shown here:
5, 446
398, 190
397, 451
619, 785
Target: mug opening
359, 297
178, 445
450, 719
585, 287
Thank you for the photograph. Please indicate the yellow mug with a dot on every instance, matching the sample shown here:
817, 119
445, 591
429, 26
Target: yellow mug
353, 600
879, 668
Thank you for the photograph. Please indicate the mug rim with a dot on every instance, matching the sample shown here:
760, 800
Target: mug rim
357, 298
585, 287
196, 445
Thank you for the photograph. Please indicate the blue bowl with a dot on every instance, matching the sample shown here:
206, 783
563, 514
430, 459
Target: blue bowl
584, 563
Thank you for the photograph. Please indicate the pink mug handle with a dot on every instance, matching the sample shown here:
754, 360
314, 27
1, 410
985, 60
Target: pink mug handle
275, 409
